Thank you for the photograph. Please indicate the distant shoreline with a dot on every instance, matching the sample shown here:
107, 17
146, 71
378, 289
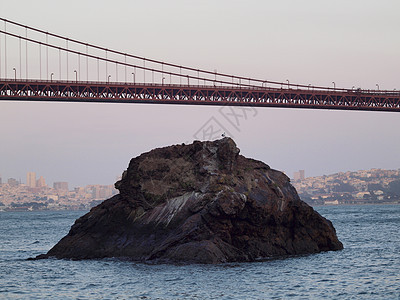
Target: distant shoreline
87, 210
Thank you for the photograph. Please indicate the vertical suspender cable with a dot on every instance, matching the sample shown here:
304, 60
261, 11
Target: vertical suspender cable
40, 61
87, 64
5, 50
98, 70
20, 59
79, 67
67, 57
0, 55
47, 57
26, 52
59, 62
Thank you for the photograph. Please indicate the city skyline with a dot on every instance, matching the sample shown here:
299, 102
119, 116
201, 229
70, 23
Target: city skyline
374, 186
33, 181
93, 143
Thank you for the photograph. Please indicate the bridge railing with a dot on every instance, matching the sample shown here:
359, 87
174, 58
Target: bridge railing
308, 90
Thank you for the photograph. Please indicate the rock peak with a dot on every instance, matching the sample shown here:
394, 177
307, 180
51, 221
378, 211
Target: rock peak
171, 171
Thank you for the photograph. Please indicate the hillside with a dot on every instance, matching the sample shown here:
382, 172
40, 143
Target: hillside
375, 186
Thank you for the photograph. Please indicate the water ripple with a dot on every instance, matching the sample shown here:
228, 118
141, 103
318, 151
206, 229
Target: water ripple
367, 268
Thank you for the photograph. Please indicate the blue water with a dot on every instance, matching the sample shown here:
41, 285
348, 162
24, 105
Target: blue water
367, 268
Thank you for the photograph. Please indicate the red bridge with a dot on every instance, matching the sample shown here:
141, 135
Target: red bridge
50, 67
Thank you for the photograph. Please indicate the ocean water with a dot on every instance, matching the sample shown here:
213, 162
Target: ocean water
367, 268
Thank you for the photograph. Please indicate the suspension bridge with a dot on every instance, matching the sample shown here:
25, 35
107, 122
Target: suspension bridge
36, 65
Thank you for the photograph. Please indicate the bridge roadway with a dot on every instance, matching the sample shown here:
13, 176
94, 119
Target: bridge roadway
109, 92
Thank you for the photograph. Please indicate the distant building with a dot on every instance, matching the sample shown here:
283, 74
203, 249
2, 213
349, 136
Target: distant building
102, 191
300, 175
41, 182
331, 202
12, 182
31, 179
52, 197
60, 186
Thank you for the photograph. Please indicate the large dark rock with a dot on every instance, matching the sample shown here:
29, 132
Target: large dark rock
200, 203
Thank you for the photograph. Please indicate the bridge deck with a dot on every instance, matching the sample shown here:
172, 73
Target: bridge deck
72, 91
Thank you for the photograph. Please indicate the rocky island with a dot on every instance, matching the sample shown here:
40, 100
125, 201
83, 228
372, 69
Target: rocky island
199, 203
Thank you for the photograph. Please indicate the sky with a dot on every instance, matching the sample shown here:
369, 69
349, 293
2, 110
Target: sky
351, 43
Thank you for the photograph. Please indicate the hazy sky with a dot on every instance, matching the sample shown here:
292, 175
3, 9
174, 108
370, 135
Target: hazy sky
353, 43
